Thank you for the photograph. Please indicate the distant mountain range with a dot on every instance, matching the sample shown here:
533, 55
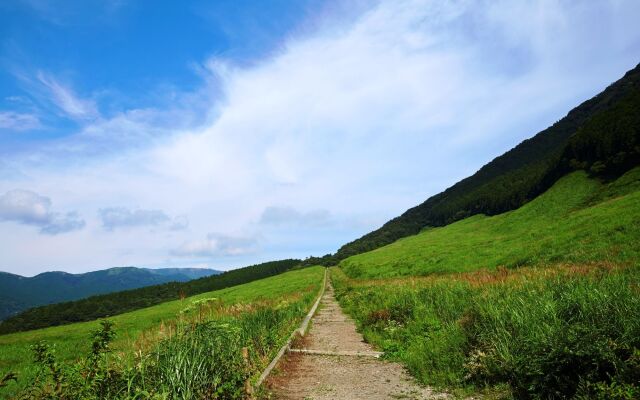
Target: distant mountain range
18, 293
110, 304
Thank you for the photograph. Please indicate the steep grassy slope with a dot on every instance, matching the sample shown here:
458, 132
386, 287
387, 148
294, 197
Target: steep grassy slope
117, 303
539, 302
577, 221
20, 293
530, 168
136, 329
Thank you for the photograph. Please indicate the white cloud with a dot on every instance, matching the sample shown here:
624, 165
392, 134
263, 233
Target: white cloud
29, 208
217, 245
121, 217
363, 120
14, 121
66, 100
63, 223
24, 206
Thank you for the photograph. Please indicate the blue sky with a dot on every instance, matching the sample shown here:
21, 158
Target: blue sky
231, 132
125, 53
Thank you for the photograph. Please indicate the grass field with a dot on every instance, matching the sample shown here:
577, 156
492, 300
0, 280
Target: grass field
534, 332
578, 220
137, 328
539, 302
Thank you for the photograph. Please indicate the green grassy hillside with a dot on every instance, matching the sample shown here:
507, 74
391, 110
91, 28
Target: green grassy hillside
108, 305
541, 302
601, 134
136, 329
578, 220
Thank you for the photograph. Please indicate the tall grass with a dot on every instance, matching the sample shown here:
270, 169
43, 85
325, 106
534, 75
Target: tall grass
547, 334
199, 358
543, 299
213, 348
216, 358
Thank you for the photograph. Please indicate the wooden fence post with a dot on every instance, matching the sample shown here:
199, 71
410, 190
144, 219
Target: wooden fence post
248, 388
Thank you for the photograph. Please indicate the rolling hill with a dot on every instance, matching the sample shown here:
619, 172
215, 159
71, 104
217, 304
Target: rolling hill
19, 293
111, 304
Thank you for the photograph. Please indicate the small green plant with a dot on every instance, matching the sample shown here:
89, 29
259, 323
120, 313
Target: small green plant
8, 377
50, 373
89, 378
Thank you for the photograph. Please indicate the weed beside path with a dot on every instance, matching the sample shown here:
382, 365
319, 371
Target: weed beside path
196, 351
543, 332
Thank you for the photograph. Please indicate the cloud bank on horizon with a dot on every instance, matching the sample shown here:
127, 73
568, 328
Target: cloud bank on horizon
238, 139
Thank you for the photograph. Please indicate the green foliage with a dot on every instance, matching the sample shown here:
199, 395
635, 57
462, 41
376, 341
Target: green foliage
578, 220
601, 136
142, 329
200, 363
548, 335
117, 303
610, 143
213, 359
90, 378
545, 339
8, 377
206, 360
544, 299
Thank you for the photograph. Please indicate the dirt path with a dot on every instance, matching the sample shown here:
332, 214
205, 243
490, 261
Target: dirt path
333, 362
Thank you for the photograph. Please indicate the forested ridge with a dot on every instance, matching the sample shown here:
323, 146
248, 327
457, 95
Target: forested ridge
95, 307
18, 293
601, 136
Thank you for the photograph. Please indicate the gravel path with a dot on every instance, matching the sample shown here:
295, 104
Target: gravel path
334, 362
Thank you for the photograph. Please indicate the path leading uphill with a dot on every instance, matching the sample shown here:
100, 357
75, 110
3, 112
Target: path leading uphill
333, 362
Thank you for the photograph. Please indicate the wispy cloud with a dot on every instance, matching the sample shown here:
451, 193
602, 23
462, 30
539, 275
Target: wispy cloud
62, 223
66, 100
121, 217
14, 121
29, 208
217, 245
